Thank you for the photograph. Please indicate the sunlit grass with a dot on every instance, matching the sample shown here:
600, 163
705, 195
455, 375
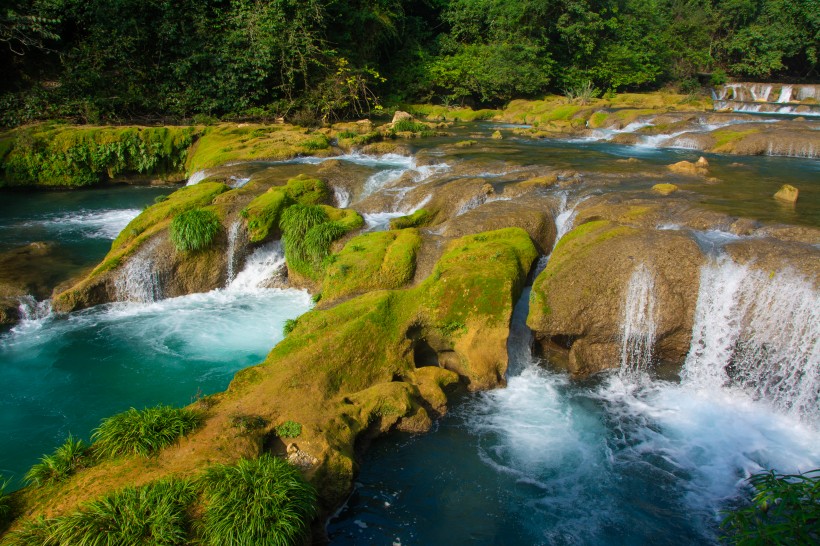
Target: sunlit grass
145, 432
61, 464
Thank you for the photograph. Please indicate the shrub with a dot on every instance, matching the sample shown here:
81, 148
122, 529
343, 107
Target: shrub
261, 502
784, 510
153, 514
61, 464
194, 230
143, 432
289, 429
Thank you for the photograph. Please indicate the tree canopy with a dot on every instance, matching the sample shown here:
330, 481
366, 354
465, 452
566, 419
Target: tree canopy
109, 60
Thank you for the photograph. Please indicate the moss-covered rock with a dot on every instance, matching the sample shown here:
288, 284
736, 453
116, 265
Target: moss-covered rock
665, 188
183, 272
372, 261
577, 303
263, 213
383, 360
227, 143
61, 155
419, 218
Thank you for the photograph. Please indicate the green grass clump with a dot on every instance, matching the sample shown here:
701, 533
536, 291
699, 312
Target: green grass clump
33, 532
194, 230
290, 324
55, 155
154, 514
421, 217
264, 502
289, 429
264, 212
784, 510
145, 432
316, 142
308, 232
61, 464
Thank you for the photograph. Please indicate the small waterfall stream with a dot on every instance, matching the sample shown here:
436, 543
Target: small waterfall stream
638, 326
139, 281
231, 258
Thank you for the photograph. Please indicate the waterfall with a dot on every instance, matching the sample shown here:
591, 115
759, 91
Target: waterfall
233, 235
759, 333
196, 178
31, 309
138, 281
261, 269
563, 224
342, 197
639, 324
785, 94
760, 92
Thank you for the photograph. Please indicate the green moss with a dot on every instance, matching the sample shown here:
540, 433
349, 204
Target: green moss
724, 138
251, 142
466, 143
372, 261
446, 113
54, 155
598, 119
410, 126
421, 217
573, 246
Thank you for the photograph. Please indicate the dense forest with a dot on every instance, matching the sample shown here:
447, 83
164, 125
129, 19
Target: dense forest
154, 60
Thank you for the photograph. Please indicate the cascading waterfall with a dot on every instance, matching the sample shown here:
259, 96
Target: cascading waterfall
759, 333
31, 309
261, 269
196, 178
139, 281
639, 325
785, 94
233, 236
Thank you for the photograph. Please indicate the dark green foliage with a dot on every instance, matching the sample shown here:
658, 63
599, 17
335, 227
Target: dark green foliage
784, 510
289, 429
145, 432
33, 532
409, 125
194, 229
61, 464
261, 502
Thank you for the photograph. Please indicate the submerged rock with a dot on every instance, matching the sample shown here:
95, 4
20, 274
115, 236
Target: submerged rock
787, 193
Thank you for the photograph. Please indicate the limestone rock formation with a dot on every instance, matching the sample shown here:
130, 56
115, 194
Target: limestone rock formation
577, 303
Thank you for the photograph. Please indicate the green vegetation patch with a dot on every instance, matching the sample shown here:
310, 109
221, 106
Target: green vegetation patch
446, 113
57, 155
227, 143
194, 229
308, 231
5, 501
145, 432
785, 510
379, 260
60, 465
289, 429
264, 212
261, 502
420, 218
725, 138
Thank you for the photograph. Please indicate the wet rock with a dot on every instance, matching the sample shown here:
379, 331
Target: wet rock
497, 135
773, 255
577, 304
664, 189
787, 193
688, 168
401, 116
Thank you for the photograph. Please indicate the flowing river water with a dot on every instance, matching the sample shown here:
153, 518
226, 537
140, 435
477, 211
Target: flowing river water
622, 458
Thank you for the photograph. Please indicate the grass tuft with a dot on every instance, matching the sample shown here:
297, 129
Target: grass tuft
145, 432
5, 502
194, 229
261, 502
154, 514
33, 532
66, 459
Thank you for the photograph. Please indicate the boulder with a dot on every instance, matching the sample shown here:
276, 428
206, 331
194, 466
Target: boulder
577, 303
688, 168
664, 189
787, 193
401, 116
